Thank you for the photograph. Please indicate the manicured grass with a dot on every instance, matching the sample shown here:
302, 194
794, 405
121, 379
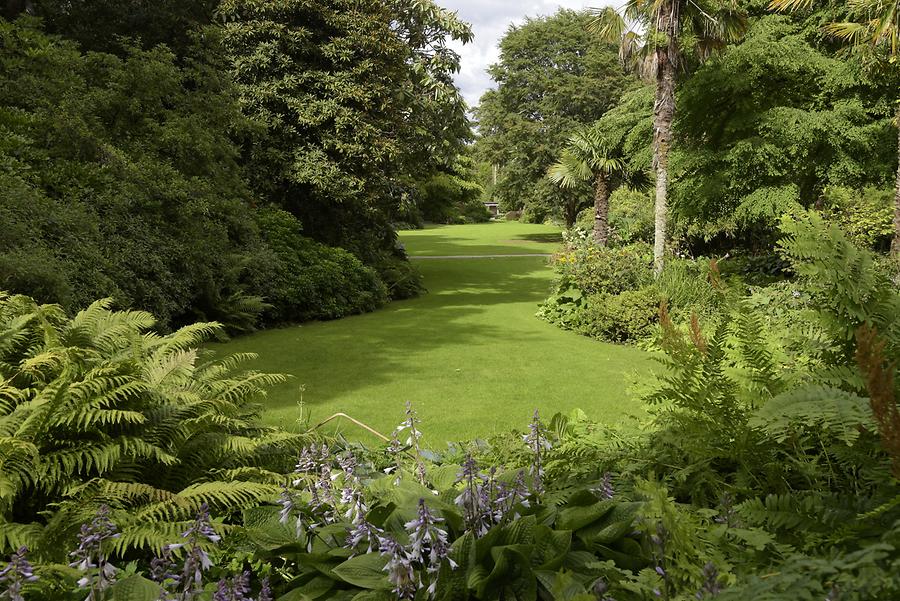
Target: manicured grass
500, 238
470, 355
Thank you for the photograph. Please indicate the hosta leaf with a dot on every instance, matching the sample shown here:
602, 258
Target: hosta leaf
573, 518
364, 571
135, 588
444, 477
551, 546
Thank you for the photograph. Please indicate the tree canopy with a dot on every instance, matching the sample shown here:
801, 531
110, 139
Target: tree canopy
553, 76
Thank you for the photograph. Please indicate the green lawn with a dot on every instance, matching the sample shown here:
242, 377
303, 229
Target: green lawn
500, 238
470, 355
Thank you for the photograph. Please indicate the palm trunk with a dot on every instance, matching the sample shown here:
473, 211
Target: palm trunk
663, 116
601, 210
895, 243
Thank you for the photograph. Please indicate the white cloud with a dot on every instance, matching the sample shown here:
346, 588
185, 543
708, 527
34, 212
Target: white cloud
490, 20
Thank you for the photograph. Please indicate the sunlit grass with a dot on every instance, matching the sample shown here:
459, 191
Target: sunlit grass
470, 355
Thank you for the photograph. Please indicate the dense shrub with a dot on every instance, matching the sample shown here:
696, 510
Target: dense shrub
865, 215
625, 317
592, 269
630, 217
118, 177
307, 280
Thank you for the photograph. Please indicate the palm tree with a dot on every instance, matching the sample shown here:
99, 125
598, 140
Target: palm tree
654, 30
872, 32
588, 155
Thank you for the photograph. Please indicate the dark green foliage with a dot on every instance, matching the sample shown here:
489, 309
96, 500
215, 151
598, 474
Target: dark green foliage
119, 178
769, 127
351, 96
864, 215
99, 24
305, 280
452, 195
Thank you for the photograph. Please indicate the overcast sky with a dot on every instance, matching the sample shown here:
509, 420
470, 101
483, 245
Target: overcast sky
490, 19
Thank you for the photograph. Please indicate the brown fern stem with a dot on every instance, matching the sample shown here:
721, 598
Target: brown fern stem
879, 375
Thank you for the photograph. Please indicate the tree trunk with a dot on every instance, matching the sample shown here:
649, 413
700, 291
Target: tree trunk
601, 210
895, 243
663, 115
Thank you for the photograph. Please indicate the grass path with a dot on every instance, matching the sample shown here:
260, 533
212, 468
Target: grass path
470, 354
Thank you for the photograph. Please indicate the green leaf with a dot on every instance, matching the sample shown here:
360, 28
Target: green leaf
364, 571
444, 476
135, 588
551, 546
453, 583
574, 518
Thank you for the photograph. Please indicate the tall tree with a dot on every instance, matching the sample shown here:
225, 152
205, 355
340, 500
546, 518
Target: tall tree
590, 155
665, 33
774, 125
872, 32
553, 77
352, 96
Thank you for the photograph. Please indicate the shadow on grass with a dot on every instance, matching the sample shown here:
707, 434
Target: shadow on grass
551, 238
409, 341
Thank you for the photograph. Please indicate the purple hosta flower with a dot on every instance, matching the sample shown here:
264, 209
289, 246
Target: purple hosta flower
16, 573
711, 585
399, 567
428, 546
410, 424
394, 448
348, 464
472, 498
236, 589
164, 571
89, 554
265, 591
537, 441
510, 495
312, 458
196, 560
361, 530
606, 490
286, 500
727, 513
659, 541
364, 532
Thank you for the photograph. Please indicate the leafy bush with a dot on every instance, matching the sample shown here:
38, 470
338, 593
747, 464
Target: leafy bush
865, 215
695, 286
631, 216
307, 280
118, 177
625, 317
593, 270
97, 410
